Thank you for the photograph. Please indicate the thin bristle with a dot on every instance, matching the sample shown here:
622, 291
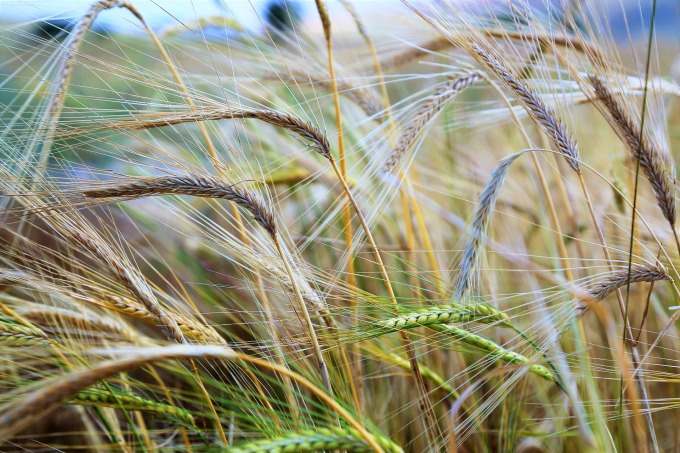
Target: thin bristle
363, 97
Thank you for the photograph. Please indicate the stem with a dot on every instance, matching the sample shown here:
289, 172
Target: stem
269, 315
323, 368
346, 212
627, 329
432, 428
326, 398
427, 242
208, 399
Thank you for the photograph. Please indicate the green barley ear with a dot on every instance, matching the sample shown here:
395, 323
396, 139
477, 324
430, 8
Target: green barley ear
441, 318
318, 440
444, 315
103, 398
495, 351
13, 334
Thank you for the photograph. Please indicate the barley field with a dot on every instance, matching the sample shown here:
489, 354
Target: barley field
416, 226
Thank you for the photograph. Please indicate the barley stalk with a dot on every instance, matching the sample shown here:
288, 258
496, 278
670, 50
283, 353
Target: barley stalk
62, 320
441, 43
192, 330
426, 408
322, 8
455, 313
12, 334
70, 50
496, 351
194, 185
480, 224
445, 315
284, 120
49, 394
134, 283
205, 186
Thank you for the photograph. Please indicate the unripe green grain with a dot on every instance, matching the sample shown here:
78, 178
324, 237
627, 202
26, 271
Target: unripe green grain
321, 439
102, 398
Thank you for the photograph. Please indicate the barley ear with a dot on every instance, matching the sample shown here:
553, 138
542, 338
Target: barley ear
480, 223
617, 279
549, 123
654, 164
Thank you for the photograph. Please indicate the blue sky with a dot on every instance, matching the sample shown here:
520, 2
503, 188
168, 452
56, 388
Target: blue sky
160, 13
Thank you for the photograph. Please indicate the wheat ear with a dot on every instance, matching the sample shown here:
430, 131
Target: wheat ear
427, 110
56, 100
445, 315
133, 282
495, 350
55, 319
193, 331
454, 313
194, 185
12, 334
51, 393
288, 121
20, 413
102, 398
441, 43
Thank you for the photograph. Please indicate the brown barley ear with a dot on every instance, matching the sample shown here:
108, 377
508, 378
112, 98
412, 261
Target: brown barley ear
133, 282
617, 279
429, 108
295, 124
194, 185
549, 123
654, 164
